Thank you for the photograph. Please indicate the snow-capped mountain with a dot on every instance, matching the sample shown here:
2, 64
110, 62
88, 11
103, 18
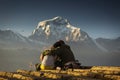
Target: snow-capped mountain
56, 29
59, 28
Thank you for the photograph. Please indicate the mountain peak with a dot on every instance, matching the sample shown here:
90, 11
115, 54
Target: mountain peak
55, 21
58, 17
58, 28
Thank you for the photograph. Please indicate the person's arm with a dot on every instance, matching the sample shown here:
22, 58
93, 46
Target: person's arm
41, 57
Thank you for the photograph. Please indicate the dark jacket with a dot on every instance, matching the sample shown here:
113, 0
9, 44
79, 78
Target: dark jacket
65, 53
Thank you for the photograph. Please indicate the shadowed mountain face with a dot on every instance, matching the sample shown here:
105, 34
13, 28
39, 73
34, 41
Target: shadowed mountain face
11, 36
10, 39
112, 45
20, 50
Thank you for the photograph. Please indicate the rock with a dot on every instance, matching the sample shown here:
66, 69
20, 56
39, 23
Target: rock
2, 73
95, 73
3, 79
109, 68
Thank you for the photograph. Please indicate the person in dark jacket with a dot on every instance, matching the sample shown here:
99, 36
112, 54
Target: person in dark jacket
63, 52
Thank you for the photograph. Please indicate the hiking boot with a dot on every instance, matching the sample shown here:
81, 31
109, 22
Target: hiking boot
37, 66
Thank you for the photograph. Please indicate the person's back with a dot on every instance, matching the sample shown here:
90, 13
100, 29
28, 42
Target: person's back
65, 53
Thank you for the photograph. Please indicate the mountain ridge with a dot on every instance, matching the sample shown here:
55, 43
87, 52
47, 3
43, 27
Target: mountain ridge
86, 49
111, 45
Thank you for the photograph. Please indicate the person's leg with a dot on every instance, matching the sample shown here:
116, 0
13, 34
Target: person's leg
37, 66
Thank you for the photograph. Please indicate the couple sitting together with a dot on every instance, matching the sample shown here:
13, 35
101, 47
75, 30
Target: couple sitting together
58, 56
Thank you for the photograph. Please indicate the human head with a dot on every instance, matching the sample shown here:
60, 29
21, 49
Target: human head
58, 43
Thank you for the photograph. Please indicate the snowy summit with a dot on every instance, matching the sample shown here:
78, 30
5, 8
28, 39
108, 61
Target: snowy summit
57, 28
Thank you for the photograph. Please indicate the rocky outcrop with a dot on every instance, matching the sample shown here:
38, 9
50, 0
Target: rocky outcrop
94, 73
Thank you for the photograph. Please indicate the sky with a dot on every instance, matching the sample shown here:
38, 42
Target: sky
99, 18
